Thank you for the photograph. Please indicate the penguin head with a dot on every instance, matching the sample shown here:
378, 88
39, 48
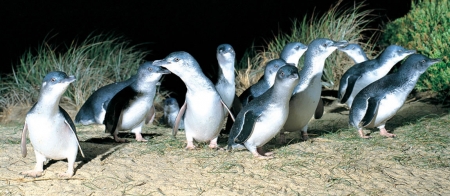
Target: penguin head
180, 63
225, 53
355, 52
288, 73
395, 53
149, 72
418, 62
292, 52
271, 69
323, 47
56, 82
171, 104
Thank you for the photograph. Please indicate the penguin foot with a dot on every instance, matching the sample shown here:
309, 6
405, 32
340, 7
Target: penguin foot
262, 152
385, 133
120, 140
32, 173
139, 138
281, 138
259, 156
67, 174
213, 146
363, 135
190, 147
305, 137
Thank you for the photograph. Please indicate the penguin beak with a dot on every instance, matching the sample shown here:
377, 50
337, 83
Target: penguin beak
69, 79
434, 61
340, 44
163, 70
410, 51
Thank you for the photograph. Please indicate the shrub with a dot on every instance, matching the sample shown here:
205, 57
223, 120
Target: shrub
336, 24
97, 61
426, 28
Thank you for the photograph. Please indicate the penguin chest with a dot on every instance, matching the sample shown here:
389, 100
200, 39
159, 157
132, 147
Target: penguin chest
204, 115
136, 113
51, 136
387, 109
361, 83
302, 107
268, 125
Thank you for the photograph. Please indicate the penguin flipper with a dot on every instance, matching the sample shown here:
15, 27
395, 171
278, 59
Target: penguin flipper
70, 126
178, 119
151, 115
228, 109
23, 143
351, 81
372, 108
319, 110
115, 107
250, 118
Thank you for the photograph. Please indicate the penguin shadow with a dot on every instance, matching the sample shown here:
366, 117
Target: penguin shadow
103, 147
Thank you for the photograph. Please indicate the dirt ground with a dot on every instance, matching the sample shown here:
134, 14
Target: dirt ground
162, 167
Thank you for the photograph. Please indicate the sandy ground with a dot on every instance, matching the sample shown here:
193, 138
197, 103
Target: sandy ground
163, 167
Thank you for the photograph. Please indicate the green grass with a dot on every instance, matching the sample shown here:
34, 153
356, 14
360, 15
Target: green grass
338, 23
98, 60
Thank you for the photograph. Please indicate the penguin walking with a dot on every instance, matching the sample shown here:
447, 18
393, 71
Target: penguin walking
51, 130
131, 106
225, 85
379, 101
362, 74
93, 110
305, 101
203, 109
261, 119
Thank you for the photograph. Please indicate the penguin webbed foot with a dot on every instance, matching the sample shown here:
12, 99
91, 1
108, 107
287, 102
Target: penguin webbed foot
119, 140
67, 174
261, 154
363, 135
32, 173
305, 136
139, 138
385, 133
213, 143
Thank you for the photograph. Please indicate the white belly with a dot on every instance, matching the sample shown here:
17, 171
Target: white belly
136, 114
266, 128
302, 107
50, 137
387, 109
204, 115
368, 78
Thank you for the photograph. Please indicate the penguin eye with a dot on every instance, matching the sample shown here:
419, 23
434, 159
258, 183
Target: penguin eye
150, 69
176, 59
53, 79
282, 73
422, 61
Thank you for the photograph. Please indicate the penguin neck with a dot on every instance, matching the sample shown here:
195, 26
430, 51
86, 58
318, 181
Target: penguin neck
311, 72
227, 74
145, 87
201, 82
281, 92
385, 62
47, 104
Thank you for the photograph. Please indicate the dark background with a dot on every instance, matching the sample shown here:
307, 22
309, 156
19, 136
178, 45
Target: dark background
197, 27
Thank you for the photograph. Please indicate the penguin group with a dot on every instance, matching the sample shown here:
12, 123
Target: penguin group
286, 98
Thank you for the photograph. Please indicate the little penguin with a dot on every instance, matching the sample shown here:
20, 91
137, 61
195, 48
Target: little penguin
362, 74
264, 83
171, 110
203, 108
355, 52
51, 130
94, 109
305, 101
260, 120
130, 107
379, 101
225, 85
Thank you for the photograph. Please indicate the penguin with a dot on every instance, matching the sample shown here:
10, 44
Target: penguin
130, 107
355, 52
263, 83
362, 74
225, 85
379, 101
203, 106
94, 109
260, 120
171, 110
51, 130
305, 101
292, 52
